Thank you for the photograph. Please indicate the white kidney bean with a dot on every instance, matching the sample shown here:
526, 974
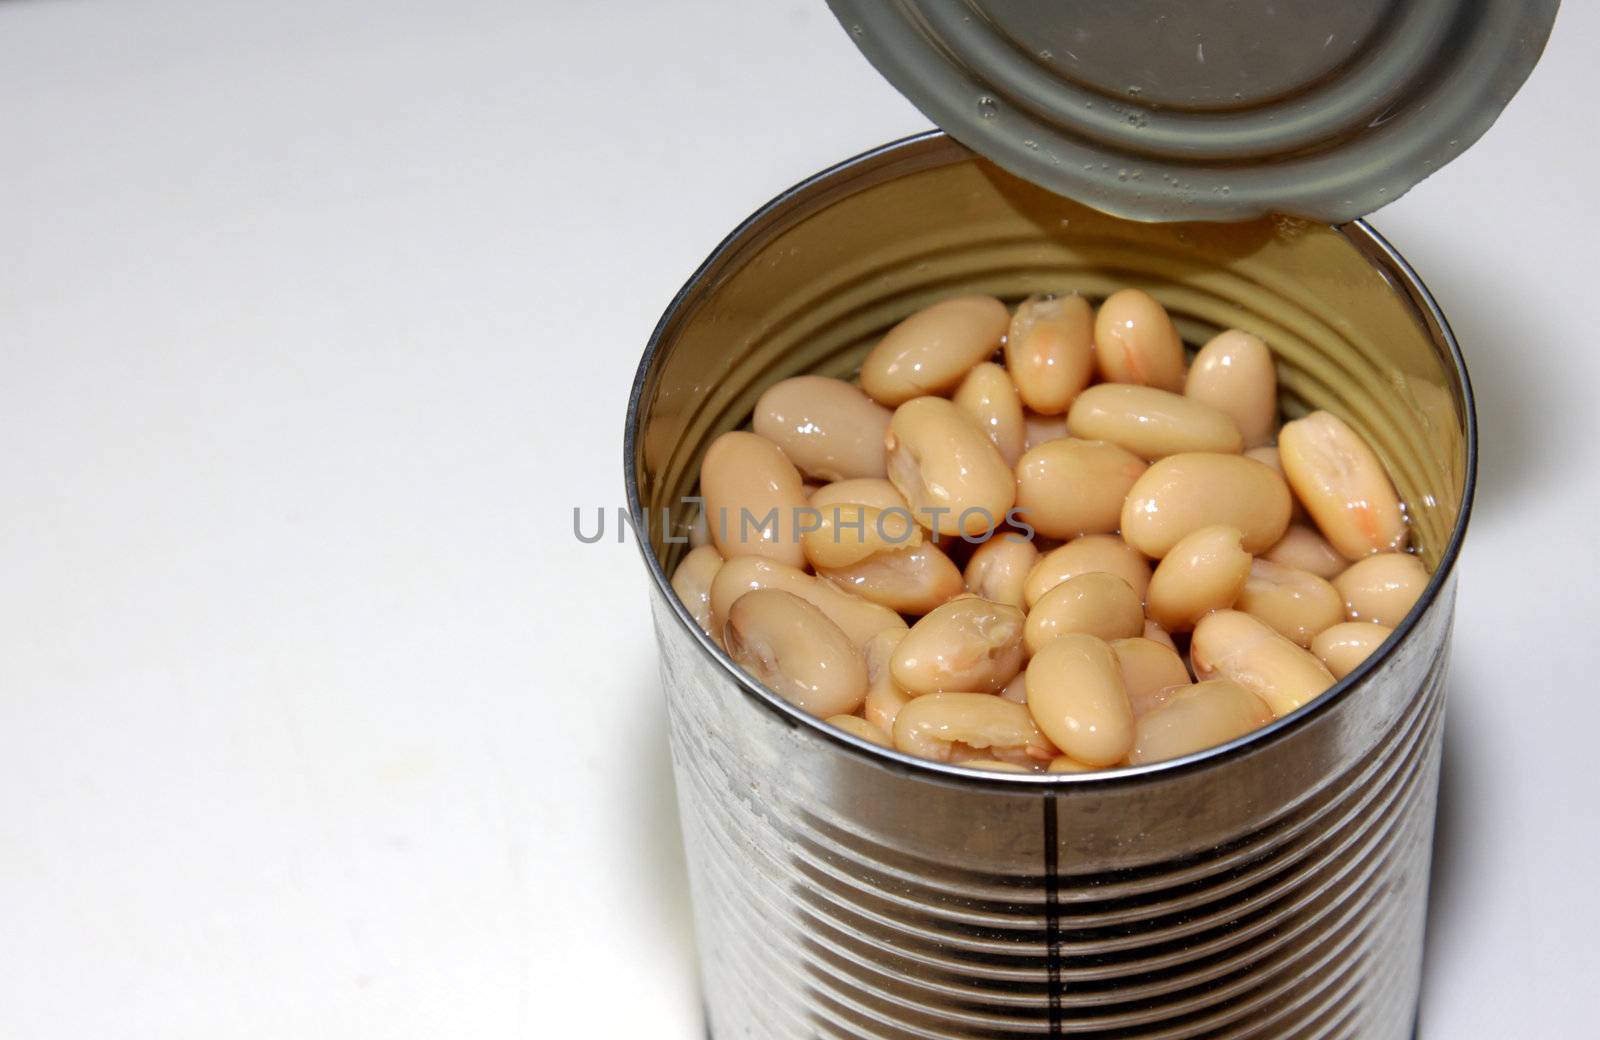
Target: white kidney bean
1150, 671
1303, 548
863, 491
828, 428
1076, 697
792, 649
1068, 764
1135, 342
999, 568
1017, 689
1234, 373
1095, 603
1050, 351
1294, 603
1382, 588
1092, 552
885, 698
692, 579
909, 581
1231, 644
1205, 571
931, 351
847, 534
947, 469
857, 726
968, 644
1155, 632
1197, 717
1344, 646
859, 619
932, 725
993, 765
990, 398
753, 498
1182, 493
1070, 487
1151, 423
1342, 484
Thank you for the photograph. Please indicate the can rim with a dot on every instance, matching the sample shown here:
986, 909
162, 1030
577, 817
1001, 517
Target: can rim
1360, 230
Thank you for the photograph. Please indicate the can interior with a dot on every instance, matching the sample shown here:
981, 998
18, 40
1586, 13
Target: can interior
811, 282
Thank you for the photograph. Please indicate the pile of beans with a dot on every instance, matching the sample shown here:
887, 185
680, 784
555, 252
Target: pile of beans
1047, 540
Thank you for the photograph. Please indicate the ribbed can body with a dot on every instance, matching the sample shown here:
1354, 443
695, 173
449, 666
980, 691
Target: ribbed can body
1274, 887
1281, 896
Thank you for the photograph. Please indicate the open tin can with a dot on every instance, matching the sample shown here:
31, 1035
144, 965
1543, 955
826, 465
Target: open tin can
1271, 887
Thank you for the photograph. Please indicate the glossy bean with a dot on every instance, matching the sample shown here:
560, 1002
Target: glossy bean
1182, 493
859, 619
1068, 764
968, 644
1092, 552
1267, 454
791, 648
1017, 689
828, 428
1153, 631
1198, 717
1235, 374
1343, 485
993, 765
863, 491
908, 581
1150, 671
1205, 571
1382, 588
990, 398
847, 534
1135, 342
1344, 646
1151, 423
999, 568
1296, 604
1095, 603
1076, 697
1070, 487
947, 469
931, 351
753, 498
1050, 351
1230, 644
692, 579
1303, 548
885, 698
857, 726
932, 726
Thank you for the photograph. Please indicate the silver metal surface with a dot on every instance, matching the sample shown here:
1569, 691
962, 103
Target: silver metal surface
1209, 109
1273, 887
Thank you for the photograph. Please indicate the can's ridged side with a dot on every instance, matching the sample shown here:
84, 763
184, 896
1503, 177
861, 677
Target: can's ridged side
815, 919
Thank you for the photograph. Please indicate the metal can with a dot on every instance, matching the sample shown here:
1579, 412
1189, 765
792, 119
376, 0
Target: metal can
1271, 887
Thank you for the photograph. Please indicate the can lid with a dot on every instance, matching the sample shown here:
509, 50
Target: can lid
1209, 109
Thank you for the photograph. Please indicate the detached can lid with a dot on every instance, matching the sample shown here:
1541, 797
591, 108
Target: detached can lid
1209, 109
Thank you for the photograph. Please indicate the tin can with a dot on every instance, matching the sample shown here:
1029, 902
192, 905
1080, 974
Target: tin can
1274, 886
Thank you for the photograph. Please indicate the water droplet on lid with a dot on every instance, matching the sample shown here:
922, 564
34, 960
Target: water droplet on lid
1045, 54
1031, 144
1225, 189
1135, 91
987, 107
857, 30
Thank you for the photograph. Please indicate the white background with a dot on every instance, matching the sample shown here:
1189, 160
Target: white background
315, 324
